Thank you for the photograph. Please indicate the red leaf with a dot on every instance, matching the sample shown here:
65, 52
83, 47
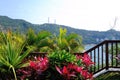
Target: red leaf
58, 69
65, 71
32, 64
79, 69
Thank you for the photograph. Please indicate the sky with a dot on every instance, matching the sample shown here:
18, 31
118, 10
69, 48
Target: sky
99, 15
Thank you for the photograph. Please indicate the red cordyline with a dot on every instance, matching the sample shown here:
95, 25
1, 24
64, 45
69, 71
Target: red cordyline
85, 59
40, 64
72, 70
86, 74
34, 69
25, 71
65, 72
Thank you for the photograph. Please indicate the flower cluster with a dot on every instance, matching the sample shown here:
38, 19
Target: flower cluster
77, 70
72, 71
87, 60
40, 64
34, 69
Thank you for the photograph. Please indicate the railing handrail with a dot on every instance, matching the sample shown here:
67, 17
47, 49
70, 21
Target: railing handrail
108, 60
108, 41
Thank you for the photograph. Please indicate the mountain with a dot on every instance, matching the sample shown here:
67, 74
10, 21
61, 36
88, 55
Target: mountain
89, 37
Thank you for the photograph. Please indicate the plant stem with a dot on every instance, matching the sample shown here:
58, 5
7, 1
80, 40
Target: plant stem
14, 72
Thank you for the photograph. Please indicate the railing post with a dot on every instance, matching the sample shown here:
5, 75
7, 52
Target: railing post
107, 56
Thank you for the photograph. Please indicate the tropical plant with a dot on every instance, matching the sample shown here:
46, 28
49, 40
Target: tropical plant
76, 71
61, 58
71, 43
34, 70
45, 42
59, 65
70, 66
40, 40
11, 53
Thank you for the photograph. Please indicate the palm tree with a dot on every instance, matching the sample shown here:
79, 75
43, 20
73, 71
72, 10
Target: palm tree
71, 43
45, 42
41, 40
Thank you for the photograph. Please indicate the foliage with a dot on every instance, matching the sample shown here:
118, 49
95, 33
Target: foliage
39, 40
34, 70
14, 47
77, 71
45, 42
70, 66
72, 71
71, 43
42, 68
11, 55
61, 58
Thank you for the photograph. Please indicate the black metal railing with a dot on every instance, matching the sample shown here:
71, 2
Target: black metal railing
104, 55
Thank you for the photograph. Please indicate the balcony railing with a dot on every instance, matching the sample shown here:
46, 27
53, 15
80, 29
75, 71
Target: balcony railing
105, 55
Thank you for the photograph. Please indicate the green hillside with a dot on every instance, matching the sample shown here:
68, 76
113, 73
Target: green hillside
89, 37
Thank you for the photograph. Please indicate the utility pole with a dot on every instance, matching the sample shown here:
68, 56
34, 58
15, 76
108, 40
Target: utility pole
54, 21
48, 19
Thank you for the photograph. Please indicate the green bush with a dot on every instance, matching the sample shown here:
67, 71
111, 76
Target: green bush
61, 58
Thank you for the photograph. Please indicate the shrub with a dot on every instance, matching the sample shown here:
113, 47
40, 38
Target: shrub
35, 69
59, 65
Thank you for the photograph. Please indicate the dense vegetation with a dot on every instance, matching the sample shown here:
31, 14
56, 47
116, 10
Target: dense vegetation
60, 62
89, 37
60, 42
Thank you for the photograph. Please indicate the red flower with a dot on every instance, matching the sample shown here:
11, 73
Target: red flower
39, 59
79, 69
40, 64
78, 57
32, 64
87, 60
65, 71
86, 75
